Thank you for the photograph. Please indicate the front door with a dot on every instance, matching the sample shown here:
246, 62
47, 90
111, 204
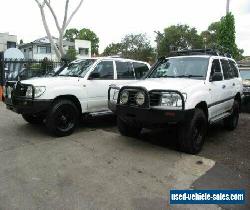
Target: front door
98, 84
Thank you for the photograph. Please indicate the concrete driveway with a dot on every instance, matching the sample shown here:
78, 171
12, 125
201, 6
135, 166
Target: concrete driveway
95, 168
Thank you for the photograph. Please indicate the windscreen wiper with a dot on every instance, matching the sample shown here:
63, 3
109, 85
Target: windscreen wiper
189, 76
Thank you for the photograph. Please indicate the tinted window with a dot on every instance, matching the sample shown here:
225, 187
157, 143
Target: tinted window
124, 70
105, 70
215, 67
234, 68
140, 69
228, 73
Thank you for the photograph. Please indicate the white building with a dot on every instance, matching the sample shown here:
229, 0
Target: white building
41, 48
7, 41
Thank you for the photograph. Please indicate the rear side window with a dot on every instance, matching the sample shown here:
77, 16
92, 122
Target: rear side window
140, 69
215, 67
234, 68
124, 70
228, 73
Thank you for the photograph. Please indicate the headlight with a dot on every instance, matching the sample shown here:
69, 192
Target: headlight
124, 97
140, 98
115, 94
172, 100
38, 91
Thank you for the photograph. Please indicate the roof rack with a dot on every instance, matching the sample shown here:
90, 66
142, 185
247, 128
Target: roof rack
200, 52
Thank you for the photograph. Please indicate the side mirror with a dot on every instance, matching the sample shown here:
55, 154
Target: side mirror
216, 76
94, 75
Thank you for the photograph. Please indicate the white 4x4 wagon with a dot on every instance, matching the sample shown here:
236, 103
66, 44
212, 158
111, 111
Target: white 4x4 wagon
81, 88
190, 91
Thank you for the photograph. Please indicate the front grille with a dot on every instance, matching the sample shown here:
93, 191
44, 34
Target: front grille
155, 98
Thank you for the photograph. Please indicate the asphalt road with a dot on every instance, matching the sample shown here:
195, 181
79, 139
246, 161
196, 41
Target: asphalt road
96, 168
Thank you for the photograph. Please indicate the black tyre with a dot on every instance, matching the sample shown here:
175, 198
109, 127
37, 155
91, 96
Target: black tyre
33, 118
231, 122
63, 118
128, 130
192, 134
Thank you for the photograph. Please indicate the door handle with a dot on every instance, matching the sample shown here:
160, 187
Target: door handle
223, 86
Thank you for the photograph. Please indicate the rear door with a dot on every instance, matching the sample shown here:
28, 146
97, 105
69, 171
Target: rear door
97, 88
229, 85
217, 91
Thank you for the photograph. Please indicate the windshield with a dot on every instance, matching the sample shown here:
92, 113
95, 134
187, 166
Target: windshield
78, 69
245, 74
187, 67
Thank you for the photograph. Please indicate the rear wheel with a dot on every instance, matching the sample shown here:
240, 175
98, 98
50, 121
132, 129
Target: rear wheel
128, 130
231, 122
191, 134
62, 118
33, 118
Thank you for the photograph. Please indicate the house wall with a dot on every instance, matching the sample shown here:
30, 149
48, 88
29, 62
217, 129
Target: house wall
83, 48
4, 38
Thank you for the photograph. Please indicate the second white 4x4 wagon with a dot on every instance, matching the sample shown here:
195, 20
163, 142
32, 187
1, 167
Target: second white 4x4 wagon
190, 91
81, 88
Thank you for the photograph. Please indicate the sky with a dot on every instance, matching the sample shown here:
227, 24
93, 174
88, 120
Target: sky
112, 19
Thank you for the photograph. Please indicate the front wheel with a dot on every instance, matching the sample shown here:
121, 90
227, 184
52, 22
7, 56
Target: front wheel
33, 118
128, 130
231, 122
62, 118
191, 134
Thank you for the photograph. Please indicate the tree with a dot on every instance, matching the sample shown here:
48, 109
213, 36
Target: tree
71, 54
178, 37
42, 4
137, 46
210, 36
71, 34
113, 49
226, 36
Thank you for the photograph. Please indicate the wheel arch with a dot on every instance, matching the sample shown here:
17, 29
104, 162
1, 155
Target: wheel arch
203, 106
72, 98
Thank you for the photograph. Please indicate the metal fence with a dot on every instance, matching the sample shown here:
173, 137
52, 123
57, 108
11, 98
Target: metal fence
20, 69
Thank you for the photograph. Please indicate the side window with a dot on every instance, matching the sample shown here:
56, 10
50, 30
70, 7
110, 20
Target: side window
215, 67
228, 74
140, 69
234, 68
124, 70
105, 70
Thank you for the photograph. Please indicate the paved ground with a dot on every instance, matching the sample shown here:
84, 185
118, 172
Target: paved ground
96, 168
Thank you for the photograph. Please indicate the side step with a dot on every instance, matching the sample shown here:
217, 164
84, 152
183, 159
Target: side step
220, 117
101, 113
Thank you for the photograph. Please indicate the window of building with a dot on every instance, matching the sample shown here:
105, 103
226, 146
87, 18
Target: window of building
11, 45
43, 49
124, 70
83, 51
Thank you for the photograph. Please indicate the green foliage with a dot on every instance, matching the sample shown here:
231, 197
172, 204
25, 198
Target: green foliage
210, 36
177, 37
226, 36
133, 46
113, 49
83, 34
71, 34
71, 54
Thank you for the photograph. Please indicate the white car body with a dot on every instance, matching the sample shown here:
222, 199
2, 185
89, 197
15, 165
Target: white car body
92, 94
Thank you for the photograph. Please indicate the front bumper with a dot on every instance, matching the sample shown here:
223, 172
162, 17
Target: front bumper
27, 106
152, 117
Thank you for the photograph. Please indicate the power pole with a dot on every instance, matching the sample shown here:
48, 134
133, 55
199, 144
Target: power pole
227, 9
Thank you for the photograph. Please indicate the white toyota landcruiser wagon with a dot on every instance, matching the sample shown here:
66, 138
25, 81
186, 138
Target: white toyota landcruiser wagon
80, 88
190, 91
